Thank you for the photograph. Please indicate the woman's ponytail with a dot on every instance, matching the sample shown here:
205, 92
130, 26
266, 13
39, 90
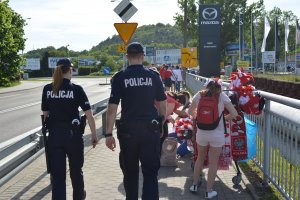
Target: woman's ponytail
57, 79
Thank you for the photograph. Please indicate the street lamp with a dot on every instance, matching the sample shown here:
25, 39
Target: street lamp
67, 50
118, 0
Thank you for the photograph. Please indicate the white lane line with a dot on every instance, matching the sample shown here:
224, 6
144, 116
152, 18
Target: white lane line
10, 96
19, 107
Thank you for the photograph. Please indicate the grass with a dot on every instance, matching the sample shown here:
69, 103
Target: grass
277, 163
255, 177
280, 77
15, 83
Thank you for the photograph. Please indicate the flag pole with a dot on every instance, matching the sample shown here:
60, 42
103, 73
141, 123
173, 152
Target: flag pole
251, 43
296, 44
275, 38
285, 44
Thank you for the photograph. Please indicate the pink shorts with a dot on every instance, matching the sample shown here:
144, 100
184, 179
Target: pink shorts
214, 139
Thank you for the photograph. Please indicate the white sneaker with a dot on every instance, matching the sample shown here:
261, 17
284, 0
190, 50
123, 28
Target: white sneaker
194, 188
210, 195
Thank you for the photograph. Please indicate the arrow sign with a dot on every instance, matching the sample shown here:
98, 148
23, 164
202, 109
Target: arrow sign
125, 10
125, 30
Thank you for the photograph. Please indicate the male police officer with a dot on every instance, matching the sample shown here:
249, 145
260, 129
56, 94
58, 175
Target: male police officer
138, 130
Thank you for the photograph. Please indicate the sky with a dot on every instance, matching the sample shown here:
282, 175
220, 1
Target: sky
82, 24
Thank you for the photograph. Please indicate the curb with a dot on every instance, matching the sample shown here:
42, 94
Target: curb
20, 89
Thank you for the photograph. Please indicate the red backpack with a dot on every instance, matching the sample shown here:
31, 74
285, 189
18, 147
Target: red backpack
208, 116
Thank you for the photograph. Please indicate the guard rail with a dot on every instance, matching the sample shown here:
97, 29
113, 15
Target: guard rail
18, 152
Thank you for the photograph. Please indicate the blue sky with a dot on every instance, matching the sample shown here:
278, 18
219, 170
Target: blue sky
84, 24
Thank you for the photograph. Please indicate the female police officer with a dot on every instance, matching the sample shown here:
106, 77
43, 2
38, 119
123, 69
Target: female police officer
138, 132
60, 102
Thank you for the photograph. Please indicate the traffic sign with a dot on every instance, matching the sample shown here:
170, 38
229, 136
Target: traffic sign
242, 63
125, 30
189, 57
122, 48
150, 51
125, 10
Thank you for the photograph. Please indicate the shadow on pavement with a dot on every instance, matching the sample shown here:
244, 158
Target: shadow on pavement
31, 185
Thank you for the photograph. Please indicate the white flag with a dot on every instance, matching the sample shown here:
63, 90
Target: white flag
286, 35
267, 30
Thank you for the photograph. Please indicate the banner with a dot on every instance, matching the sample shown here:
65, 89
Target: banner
32, 64
238, 138
53, 60
286, 35
268, 57
209, 45
266, 32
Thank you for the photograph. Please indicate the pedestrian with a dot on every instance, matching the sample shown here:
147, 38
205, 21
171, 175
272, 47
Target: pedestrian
178, 74
60, 102
162, 71
167, 78
214, 138
175, 101
138, 130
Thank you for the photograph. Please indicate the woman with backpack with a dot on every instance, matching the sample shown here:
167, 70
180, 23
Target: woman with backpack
207, 103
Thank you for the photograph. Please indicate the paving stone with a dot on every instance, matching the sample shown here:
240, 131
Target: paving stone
103, 178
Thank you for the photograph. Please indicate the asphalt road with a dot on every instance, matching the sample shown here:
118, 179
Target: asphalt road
20, 110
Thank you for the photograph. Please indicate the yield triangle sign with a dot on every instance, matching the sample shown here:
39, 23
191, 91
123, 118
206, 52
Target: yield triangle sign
125, 30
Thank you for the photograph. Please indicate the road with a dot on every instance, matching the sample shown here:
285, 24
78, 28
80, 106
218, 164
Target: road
20, 110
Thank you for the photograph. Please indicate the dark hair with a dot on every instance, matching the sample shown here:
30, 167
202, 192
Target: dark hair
213, 87
180, 96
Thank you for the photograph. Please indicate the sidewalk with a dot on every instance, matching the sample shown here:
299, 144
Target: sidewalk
25, 85
103, 178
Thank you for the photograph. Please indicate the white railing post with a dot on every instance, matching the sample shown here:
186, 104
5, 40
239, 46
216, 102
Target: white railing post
267, 133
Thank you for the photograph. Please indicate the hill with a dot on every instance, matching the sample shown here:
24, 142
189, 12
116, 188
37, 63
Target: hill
159, 35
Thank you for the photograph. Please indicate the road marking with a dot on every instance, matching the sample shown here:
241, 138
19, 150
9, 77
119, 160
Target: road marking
10, 96
19, 107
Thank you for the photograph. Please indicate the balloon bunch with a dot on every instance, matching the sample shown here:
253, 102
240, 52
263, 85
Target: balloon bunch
184, 128
249, 100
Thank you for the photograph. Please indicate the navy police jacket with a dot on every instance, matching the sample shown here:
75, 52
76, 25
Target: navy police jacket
137, 87
63, 106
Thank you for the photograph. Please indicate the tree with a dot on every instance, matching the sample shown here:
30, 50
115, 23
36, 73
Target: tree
11, 42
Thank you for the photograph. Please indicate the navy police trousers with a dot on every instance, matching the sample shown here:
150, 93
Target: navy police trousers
139, 143
63, 142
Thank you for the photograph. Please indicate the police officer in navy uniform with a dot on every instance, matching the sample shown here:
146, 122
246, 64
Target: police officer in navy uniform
138, 131
60, 102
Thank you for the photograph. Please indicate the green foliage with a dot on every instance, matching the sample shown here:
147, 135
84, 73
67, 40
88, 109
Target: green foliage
11, 42
159, 35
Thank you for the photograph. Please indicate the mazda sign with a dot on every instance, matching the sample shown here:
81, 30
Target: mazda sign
209, 14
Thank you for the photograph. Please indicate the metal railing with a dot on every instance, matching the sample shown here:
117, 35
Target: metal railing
18, 152
278, 139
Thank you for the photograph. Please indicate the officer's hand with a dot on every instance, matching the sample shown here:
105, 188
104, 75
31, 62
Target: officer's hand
162, 133
110, 143
94, 140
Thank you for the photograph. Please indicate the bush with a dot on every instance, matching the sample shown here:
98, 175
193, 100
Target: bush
86, 70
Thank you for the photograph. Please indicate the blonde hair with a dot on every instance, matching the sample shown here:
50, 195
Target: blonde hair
58, 77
